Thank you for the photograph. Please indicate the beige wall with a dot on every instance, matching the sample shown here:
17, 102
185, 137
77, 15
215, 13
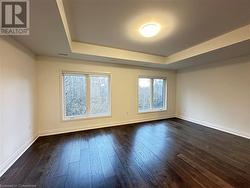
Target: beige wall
17, 101
124, 92
217, 95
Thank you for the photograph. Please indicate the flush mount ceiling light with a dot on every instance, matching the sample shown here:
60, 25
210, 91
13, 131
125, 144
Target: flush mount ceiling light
150, 29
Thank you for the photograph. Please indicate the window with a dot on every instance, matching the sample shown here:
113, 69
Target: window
85, 95
74, 95
151, 94
99, 95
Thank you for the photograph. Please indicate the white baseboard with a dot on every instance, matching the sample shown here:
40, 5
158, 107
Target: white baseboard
74, 129
213, 126
7, 164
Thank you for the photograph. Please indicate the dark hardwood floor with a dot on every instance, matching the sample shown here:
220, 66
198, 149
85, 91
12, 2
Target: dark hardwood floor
166, 153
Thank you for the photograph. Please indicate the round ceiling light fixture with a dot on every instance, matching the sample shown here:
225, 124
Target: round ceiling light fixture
150, 29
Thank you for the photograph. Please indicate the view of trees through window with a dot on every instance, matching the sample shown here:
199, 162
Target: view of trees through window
89, 95
74, 95
144, 94
99, 95
86, 95
151, 93
158, 93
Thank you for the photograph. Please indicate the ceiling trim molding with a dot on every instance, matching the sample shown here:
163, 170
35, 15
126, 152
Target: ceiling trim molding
63, 17
236, 36
97, 50
233, 37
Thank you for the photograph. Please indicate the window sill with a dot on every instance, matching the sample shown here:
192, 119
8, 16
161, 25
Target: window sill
152, 111
86, 117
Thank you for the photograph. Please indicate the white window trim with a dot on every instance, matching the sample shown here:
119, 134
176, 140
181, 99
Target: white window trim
153, 110
87, 116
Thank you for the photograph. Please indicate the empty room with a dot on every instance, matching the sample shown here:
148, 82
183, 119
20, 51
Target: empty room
125, 93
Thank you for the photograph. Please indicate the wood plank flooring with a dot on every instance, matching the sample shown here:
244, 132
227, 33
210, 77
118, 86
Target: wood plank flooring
167, 153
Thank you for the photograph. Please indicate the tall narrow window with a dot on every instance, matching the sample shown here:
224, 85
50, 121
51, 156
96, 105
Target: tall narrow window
85, 95
99, 95
74, 95
158, 94
144, 94
151, 94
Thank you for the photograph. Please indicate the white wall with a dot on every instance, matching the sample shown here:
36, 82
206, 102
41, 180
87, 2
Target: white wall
17, 101
124, 92
217, 95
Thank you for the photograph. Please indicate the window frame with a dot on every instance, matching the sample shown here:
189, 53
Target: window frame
87, 115
152, 110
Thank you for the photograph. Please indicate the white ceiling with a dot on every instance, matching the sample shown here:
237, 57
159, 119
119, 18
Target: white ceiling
47, 36
112, 23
